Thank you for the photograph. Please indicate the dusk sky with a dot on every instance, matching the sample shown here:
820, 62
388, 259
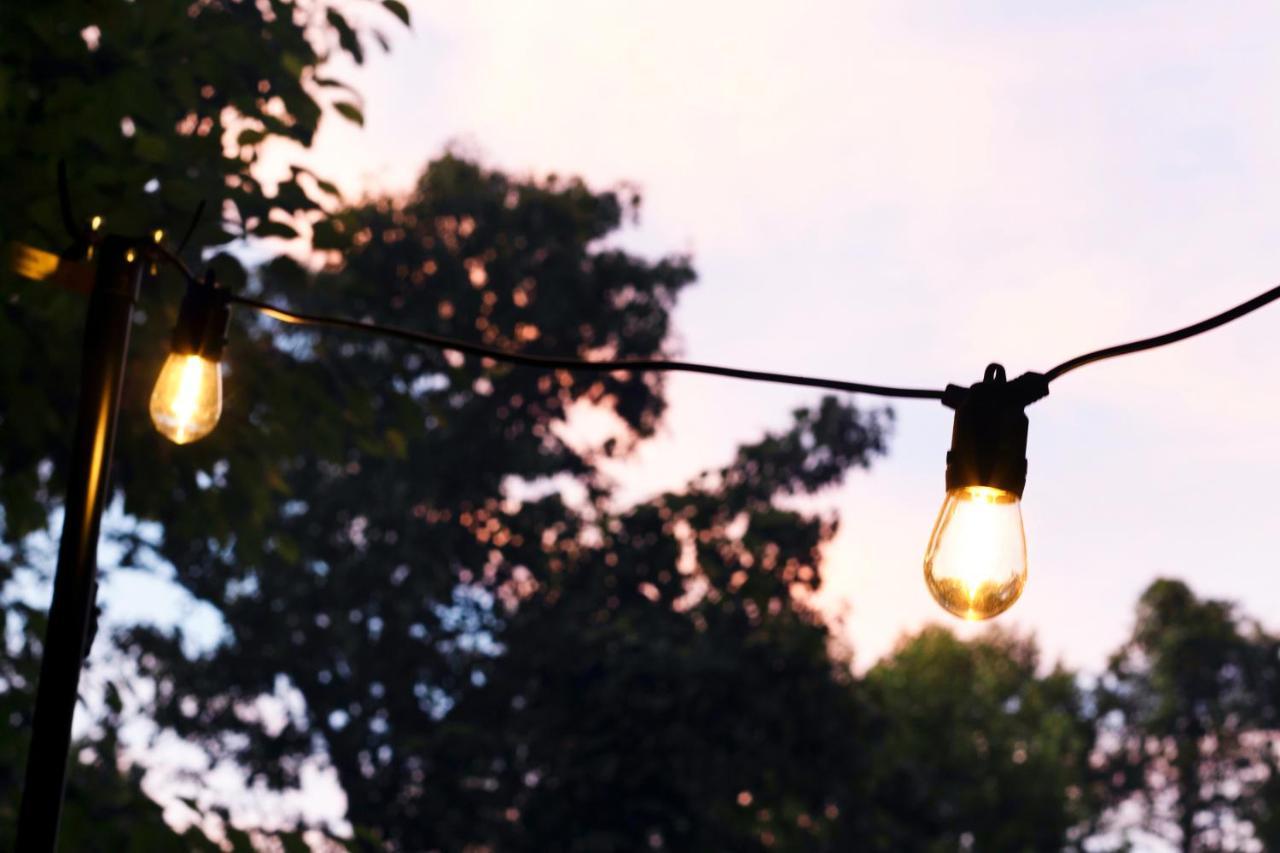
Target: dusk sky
901, 196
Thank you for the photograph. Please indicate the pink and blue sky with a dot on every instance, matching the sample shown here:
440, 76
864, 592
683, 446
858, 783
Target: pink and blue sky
901, 193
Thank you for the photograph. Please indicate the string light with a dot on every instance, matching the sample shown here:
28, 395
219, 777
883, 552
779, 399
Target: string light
187, 399
975, 563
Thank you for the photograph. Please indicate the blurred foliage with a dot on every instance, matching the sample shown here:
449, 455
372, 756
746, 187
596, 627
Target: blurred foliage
1190, 722
416, 572
979, 750
425, 584
105, 809
663, 684
155, 107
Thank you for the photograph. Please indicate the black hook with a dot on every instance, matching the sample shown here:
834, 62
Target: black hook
69, 221
191, 227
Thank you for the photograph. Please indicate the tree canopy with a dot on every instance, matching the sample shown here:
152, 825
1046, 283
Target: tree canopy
424, 576
981, 750
155, 108
1189, 721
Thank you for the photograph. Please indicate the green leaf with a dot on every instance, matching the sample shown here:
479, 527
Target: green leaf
397, 443
398, 9
292, 64
347, 37
150, 147
350, 112
240, 840
271, 228
293, 843
331, 83
111, 695
250, 137
288, 549
328, 187
325, 235
291, 197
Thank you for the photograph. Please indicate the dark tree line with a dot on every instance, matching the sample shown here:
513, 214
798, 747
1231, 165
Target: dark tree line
491, 652
1189, 722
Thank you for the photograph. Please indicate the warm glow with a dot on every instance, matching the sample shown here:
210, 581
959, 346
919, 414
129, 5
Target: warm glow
187, 399
976, 564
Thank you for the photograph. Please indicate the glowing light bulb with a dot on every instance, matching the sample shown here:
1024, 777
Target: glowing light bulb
976, 563
187, 399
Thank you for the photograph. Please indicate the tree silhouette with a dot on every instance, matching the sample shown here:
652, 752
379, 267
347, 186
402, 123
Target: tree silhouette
1188, 720
155, 107
977, 750
667, 687
398, 582
490, 651
83, 83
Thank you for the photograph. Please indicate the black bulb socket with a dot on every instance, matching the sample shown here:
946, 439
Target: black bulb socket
203, 320
989, 434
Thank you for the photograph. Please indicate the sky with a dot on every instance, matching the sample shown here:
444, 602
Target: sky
901, 194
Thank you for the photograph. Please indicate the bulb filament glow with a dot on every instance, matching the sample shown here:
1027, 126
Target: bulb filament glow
187, 399
976, 563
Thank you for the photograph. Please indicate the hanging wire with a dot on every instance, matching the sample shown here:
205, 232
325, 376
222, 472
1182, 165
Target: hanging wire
560, 363
564, 363
1168, 338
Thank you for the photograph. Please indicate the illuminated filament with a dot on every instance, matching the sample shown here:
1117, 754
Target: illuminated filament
187, 399
976, 564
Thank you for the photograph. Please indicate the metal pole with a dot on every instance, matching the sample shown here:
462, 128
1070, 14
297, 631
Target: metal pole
75, 586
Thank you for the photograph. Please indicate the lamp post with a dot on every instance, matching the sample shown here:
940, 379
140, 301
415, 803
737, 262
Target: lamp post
120, 268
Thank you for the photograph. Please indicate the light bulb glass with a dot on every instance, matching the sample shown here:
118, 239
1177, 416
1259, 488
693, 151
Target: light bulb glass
976, 564
187, 399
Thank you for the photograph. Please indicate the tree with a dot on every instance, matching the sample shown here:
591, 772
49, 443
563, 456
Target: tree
1188, 721
663, 685
398, 582
976, 750
360, 557
352, 517
155, 107
105, 808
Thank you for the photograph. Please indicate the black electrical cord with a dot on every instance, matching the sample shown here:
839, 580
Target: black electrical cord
560, 363
176, 262
563, 363
1169, 338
